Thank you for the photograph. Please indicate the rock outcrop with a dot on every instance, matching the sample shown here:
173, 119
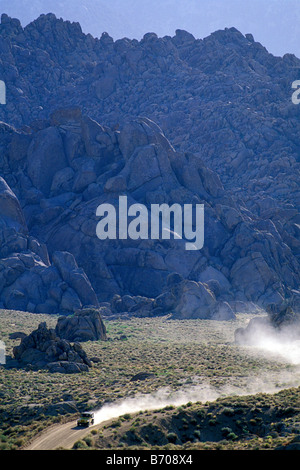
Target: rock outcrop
181, 298
28, 279
30, 282
44, 349
84, 325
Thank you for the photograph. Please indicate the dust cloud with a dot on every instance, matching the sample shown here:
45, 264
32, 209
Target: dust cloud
282, 344
204, 392
157, 400
281, 347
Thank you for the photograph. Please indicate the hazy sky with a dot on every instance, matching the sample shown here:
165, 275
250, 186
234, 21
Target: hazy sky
274, 23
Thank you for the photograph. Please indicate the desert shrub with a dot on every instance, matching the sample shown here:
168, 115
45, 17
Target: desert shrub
79, 445
229, 434
116, 424
227, 411
200, 413
232, 436
172, 437
225, 431
212, 421
169, 408
88, 440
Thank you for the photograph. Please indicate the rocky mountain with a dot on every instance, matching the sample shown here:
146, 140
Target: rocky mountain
95, 16
273, 23
162, 120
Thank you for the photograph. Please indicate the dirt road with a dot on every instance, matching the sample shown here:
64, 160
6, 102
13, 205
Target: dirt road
62, 435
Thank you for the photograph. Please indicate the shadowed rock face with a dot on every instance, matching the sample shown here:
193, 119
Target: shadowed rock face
243, 258
85, 325
181, 298
232, 146
28, 279
44, 349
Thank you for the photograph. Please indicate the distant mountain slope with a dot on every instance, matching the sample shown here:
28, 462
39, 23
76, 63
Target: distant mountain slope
225, 105
224, 97
95, 16
272, 22
62, 172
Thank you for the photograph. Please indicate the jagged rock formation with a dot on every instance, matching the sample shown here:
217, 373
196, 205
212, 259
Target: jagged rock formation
224, 104
28, 280
84, 325
44, 349
244, 256
182, 298
226, 85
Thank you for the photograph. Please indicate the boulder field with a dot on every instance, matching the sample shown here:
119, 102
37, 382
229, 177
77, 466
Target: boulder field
53, 261
172, 120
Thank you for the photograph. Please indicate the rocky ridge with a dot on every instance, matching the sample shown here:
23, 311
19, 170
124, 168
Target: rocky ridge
227, 86
224, 105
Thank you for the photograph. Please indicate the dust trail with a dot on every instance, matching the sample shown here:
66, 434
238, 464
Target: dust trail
159, 399
283, 343
204, 392
283, 347
278, 346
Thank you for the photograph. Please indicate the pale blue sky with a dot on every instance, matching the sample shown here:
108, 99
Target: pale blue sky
274, 23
